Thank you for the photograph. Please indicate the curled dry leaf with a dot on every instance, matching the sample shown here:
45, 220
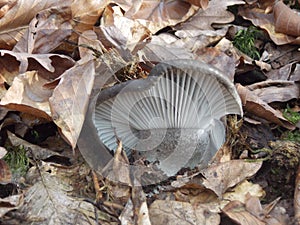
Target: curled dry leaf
287, 21
256, 106
275, 90
49, 66
266, 21
70, 99
27, 94
17, 14
120, 30
46, 31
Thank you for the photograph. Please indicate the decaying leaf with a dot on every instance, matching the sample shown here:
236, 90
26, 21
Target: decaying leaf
46, 31
222, 176
70, 99
86, 13
156, 15
49, 202
10, 203
253, 104
122, 31
275, 90
266, 21
236, 211
216, 12
181, 213
282, 14
16, 15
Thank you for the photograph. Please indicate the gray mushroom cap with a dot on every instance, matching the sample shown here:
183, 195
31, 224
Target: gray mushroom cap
171, 118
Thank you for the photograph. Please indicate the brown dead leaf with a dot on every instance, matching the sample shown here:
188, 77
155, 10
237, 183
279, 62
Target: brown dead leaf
10, 203
182, 213
254, 105
49, 66
275, 90
88, 40
266, 21
222, 176
120, 30
200, 3
86, 13
236, 211
287, 21
70, 99
46, 31
27, 94
5, 173
155, 15
216, 12
218, 59
16, 15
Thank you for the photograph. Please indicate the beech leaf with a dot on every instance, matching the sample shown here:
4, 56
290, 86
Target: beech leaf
70, 99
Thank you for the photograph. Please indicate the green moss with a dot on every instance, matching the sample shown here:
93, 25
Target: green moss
17, 160
244, 40
291, 136
290, 115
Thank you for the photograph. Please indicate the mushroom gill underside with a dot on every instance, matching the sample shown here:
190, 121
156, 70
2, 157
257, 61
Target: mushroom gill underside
171, 118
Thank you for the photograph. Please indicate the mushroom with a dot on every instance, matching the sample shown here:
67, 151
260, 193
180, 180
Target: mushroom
173, 118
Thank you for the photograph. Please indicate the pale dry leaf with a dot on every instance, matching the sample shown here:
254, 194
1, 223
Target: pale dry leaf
256, 106
236, 211
46, 31
86, 13
275, 90
181, 213
120, 30
222, 176
241, 191
201, 3
10, 203
88, 40
155, 15
17, 15
216, 12
2, 152
50, 201
70, 99
28, 95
